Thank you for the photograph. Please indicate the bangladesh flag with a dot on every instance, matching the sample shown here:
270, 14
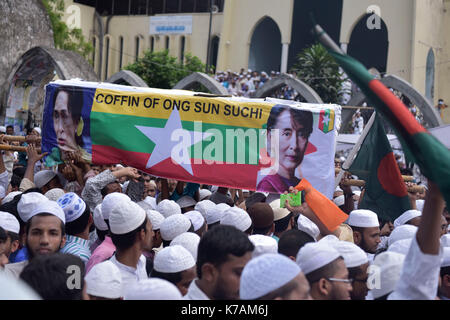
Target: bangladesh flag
375, 163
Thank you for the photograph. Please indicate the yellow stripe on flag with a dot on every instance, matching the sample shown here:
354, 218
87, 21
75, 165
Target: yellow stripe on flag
331, 122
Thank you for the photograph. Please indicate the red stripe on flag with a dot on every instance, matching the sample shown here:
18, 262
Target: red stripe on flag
398, 109
322, 114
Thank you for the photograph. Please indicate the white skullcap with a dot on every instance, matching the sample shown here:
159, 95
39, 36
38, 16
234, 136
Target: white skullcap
306, 225
401, 246
445, 257
405, 231
338, 189
16, 289
204, 205
151, 201
278, 213
110, 201
27, 203
214, 214
236, 217
173, 226
353, 255
99, 222
265, 274
10, 196
38, 130
390, 265
339, 201
48, 206
445, 240
203, 193
168, 208
186, 201
329, 240
223, 206
155, 218
144, 205
363, 218
315, 255
357, 192
189, 241
104, 280
196, 218
173, 259
263, 244
72, 205
9, 222
43, 177
54, 194
152, 289
419, 204
2, 129
125, 216
406, 216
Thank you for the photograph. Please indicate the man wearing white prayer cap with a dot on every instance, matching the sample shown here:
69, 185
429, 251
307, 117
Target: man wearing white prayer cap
156, 219
10, 196
54, 194
104, 282
186, 203
366, 229
263, 244
401, 246
282, 218
47, 180
78, 222
444, 287
110, 201
198, 222
101, 228
239, 219
292, 241
306, 225
44, 230
204, 205
189, 241
27, 203
405, 231
152, 289
386, 267
168, 207
131, 233
411, 217
273, 276
325, 271
204, 194
12, 227
173, 226
214, 214
176, 265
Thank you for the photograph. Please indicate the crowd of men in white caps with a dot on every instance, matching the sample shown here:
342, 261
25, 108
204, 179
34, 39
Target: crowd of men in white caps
131, 237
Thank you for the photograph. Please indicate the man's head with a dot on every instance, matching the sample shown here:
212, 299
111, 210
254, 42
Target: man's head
47, 180
10, 130
444, 287
111, 188
104, 282
366, 229
411, 217
292, 241
223, 253
283, 219
262, 218
12, 228
77, 213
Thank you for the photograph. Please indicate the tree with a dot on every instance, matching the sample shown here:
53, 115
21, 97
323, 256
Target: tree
65, 38
160, 70
317, 68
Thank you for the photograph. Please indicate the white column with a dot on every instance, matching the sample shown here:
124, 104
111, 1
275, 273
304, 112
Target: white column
284, 57
344, 47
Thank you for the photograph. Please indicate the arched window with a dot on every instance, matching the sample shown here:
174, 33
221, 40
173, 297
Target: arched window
120, 52
106, 58
182, 45
429, 76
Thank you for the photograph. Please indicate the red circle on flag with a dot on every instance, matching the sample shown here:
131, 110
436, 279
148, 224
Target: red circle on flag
390, 177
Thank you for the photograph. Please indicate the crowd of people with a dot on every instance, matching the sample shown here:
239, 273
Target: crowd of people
85, 231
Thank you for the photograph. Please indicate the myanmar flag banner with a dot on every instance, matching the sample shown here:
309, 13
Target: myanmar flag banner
256, 144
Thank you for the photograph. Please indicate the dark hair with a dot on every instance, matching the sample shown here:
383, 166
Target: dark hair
101, 234
15, 181
262, 231
12, 235
291, 241
212, 225
19, 171
3, 234
217, 243
104, 192
355, 272
125, 241
282, 224
44, 214
281, 292
173, 277
50, 276
9, 126
148, 266
303, 117
445, 271
327, 271
78, 225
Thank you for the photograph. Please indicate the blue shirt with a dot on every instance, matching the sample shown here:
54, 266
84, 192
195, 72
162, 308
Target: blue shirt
19, 255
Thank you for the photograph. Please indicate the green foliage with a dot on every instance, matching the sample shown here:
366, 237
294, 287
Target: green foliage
65, 38
317, 68
160, 70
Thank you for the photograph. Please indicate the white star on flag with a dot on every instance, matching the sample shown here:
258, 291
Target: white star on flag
326, 119
164, 144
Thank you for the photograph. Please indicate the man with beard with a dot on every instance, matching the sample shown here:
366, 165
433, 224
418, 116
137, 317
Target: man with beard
366, 230
222, 254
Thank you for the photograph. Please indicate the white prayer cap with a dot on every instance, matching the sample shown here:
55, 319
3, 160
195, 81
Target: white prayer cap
445, 240
38, 130
152, 289
204, 205
405, 231
110, 201
406, 216
41, 178
27, 204
236, 217
196, 218
2, 129
214, 214
363, 218
186, 201
353, 255
401, 246
99, 222
339, 201
263, 244
278, 213
329, 240
155, 218
16, 289
306, 225
189, 241
9, 222
315, 255
168, 207
445, 257
265, 274
173, 226
151, 201
144, 205
54, 194
390, 265
72, 205
223, 206
48, 206
104, 280
357, 192
419, 204
125, 216
338, 189
203, 193
10, 196
173, 259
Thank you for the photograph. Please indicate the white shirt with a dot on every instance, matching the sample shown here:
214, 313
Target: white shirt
195, 293
129, 274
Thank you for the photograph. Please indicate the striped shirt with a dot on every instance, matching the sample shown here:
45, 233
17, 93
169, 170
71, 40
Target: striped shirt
78, 247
